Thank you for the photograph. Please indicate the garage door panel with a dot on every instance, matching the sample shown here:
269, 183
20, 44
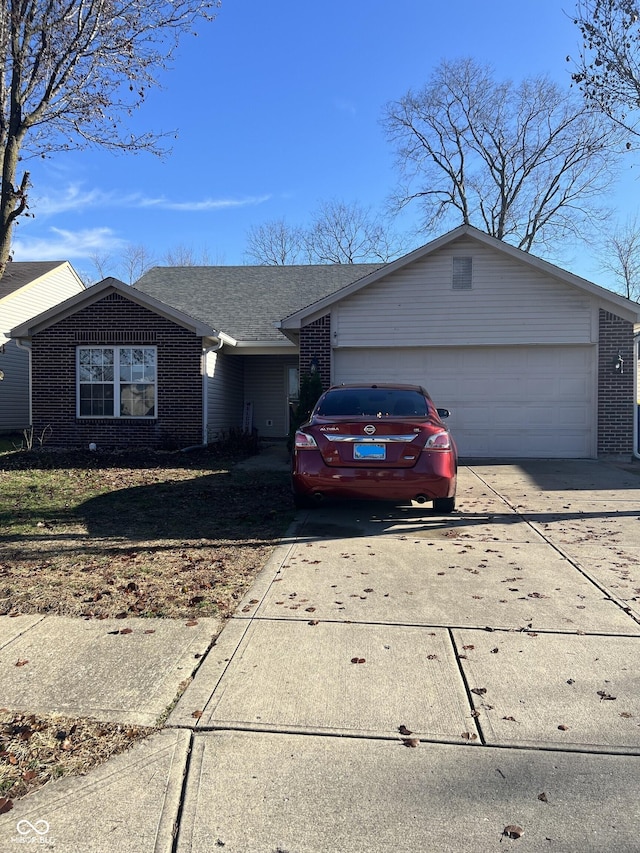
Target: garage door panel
505, 401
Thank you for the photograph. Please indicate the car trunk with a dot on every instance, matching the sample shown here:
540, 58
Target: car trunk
383, 444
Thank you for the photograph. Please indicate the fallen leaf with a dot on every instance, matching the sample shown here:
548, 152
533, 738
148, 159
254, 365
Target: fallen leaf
310, 609
357, 660
197, 714
510, 719
411, 741
563, 728
151, 631
479, 691
513, 831
603, 695
404, 730
313, 622
29, 775
432, 657
469, 736
495, 651
543, 797
127, 631
22, 662
191, 623
5, 805
468, 648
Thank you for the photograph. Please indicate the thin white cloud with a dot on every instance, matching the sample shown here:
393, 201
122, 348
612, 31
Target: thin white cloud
74, 199
206, 204
60, 244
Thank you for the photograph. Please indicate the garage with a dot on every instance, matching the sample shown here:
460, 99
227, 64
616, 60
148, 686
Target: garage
532, 361
506, 401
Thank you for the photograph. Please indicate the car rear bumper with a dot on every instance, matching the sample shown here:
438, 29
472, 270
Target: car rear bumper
434, 476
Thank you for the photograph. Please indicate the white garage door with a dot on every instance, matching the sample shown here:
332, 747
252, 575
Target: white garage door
505, 401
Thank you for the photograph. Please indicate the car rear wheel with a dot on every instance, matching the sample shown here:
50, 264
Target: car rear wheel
444, 505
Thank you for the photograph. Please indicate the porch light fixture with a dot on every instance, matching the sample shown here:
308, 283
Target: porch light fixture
619, 364
314, 365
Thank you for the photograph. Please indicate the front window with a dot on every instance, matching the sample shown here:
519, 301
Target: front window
117, 382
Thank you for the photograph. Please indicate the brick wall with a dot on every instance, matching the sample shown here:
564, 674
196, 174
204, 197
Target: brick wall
115, 320
315, 342
616, 396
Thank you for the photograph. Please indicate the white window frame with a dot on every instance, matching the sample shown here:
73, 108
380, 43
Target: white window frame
118, 382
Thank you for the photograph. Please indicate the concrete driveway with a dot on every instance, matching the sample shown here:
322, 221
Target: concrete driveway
402, 681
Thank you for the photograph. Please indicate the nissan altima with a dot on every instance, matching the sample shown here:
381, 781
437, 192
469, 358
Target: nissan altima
375, 442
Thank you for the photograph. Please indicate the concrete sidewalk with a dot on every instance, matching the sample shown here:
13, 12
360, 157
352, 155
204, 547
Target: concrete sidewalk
504, 638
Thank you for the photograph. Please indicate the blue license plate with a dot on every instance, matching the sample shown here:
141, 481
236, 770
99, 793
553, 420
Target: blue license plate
373, 452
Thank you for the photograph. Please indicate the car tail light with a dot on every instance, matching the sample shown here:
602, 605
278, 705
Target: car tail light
304, 441
438, 441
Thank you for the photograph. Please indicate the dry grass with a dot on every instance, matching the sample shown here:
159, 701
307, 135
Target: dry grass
169, 535
36, 749
105, 535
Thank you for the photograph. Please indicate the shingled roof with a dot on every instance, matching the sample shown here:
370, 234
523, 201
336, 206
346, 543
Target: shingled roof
247, 302
20, 273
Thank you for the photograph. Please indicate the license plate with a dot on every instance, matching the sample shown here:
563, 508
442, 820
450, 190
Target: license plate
369, 451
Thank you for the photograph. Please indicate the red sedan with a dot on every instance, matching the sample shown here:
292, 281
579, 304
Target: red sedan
375, 442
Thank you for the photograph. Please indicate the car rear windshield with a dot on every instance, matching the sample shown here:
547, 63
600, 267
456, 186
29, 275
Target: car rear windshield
373, 402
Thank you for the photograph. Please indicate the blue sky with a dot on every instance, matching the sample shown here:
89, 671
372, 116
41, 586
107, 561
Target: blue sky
277, 107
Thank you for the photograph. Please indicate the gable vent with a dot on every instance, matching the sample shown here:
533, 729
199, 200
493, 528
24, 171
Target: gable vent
462, 273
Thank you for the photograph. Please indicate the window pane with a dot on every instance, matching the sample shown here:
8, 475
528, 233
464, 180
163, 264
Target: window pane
137, 401
96, 400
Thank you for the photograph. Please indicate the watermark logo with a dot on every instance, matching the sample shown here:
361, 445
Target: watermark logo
33, 833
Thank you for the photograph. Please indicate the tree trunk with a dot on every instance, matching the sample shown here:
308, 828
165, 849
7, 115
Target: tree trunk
13, 201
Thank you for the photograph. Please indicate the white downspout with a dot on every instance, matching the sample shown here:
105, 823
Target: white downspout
636, 401
27, 346
205, 390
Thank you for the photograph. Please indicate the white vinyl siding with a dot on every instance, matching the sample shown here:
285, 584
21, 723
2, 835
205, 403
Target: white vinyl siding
14, 397
224, 376
266, 387
505, 401
33, 299
16, 308
510, 302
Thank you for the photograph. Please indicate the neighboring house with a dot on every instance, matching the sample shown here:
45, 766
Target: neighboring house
26, 289
532, 360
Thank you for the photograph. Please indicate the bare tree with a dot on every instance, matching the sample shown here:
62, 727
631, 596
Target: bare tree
102, 263
608, 66
135, 261
184, 255
527, 163
274, 243
340, 233
71, 72
620, 255
348, 233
